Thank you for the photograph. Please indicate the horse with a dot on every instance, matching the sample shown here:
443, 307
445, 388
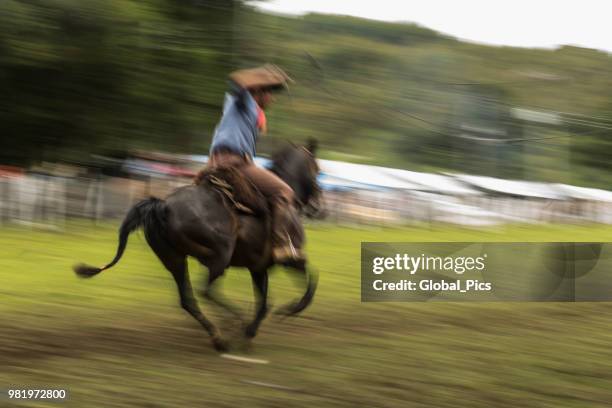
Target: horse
200, 221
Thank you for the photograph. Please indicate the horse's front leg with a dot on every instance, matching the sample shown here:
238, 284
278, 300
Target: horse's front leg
260, 288
311, 278
211, 292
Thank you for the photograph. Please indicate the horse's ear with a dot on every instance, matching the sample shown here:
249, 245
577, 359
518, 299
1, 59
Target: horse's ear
311, 145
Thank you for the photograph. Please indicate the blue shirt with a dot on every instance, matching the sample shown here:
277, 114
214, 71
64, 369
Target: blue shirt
237, 130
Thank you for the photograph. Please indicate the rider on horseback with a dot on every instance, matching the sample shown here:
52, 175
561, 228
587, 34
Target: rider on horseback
233, 145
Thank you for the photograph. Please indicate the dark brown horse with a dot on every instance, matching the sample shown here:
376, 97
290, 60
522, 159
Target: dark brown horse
199, 221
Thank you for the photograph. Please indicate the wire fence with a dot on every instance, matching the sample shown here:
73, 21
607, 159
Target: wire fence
44, 201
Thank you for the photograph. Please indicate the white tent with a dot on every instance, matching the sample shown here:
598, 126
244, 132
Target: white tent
365, 174
512, 187
437, 183
584, 193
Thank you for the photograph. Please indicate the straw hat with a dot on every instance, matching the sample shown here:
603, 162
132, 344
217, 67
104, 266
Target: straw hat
267, 76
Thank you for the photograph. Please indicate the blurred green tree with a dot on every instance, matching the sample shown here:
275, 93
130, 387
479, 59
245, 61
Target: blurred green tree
88, 76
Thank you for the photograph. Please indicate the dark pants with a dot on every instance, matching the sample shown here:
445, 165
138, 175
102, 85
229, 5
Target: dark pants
272, 186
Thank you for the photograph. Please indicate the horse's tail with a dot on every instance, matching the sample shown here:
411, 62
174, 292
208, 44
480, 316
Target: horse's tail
149, 214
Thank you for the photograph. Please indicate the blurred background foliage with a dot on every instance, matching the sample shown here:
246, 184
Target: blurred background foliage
91, 76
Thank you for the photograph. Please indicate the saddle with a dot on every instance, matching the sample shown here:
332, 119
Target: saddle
244, 197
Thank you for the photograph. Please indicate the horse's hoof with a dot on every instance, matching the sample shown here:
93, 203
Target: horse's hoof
287, 310
220, 344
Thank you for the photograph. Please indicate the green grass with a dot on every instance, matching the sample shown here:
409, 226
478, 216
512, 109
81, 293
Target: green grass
121, 340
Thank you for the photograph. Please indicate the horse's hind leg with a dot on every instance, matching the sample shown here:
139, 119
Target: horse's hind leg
260, 287
177, 265
311, 279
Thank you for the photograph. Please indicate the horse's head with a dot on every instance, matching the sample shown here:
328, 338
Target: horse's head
297, 166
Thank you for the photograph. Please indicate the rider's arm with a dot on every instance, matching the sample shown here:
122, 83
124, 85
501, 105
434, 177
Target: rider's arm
240, 93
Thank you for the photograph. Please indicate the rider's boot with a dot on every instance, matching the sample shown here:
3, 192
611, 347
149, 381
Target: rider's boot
285, 219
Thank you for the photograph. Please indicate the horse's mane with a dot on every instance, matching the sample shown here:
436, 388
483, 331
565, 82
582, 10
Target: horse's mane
285, 154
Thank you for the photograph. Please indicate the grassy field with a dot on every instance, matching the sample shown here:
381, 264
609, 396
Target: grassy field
121, 340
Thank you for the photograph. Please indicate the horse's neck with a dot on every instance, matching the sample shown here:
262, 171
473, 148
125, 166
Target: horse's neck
284, 175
